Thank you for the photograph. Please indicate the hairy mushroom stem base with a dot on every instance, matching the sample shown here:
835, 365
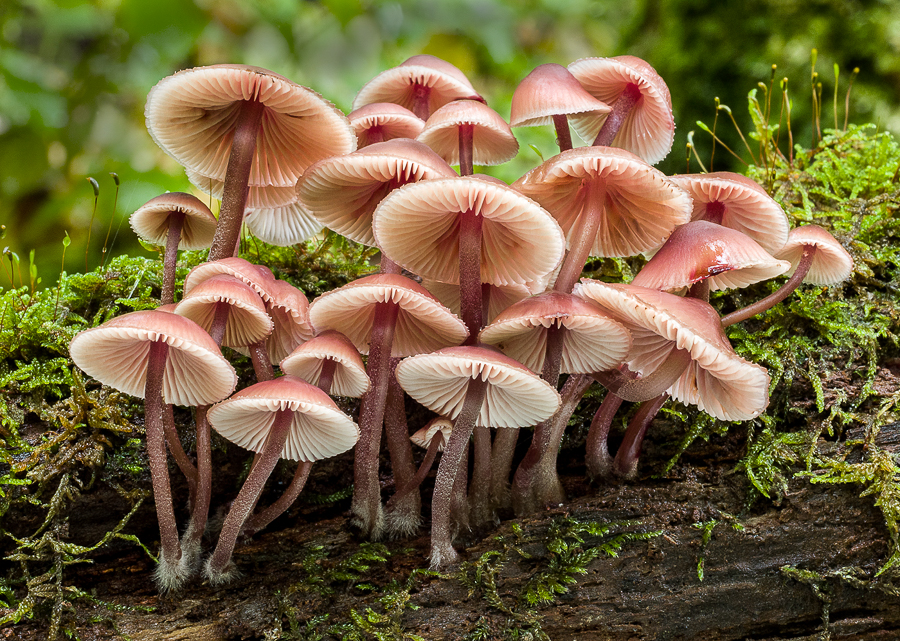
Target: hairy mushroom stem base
583, 235
217, 567
237, 177
764, 304
442, 552
170, 258
622, 107
563, 134
404, 516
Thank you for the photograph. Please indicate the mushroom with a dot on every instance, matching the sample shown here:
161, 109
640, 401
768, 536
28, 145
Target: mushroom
433, 437
162, 358
383, 121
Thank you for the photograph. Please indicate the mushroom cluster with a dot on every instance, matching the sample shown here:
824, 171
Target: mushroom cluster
479, 312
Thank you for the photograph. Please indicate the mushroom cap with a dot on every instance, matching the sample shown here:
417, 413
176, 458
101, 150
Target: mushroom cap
257, 276
343, 192
151, 220
493, 142
701, 250
282, 226
641, 206
593, 341
832, 263
499, 296
318, 429
550, 90
191, 115
350, 378
397, 85
247, 322
515, 396
440, 427
391, 119
116, 353
717, 380
747, 206
289, 310
649, 129
417, 226
423, 324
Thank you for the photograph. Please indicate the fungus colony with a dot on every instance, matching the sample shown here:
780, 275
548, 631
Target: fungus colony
478, 308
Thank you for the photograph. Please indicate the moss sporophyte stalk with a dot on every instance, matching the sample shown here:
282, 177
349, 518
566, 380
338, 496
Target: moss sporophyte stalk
819, 366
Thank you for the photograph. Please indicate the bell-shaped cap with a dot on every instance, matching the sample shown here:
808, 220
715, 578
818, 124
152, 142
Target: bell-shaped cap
717, 380
550, 90
640, 206
343, 192
247, 322
350, 378
192, 114
593, 341
700, 250
515, 396
386, 119
318, 430
832, 263
439, 428
417, 226
649, 129
735, 201
117, 352
423, 324
257, 276
493, 142
151, 220
289, 310
444, 81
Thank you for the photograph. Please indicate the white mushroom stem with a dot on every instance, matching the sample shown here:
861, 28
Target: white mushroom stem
563, 135
170, 259
249, 494
619, 114
442, 552
237, 177
259, 521
625, 464
762, 305
582, 237
169, 574
470, 300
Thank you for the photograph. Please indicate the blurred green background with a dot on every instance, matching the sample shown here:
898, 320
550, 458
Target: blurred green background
74, 77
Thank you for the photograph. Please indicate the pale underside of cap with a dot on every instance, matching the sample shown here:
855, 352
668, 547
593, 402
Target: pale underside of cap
306, 362
318, 429
191, 115
748, 208
439, 427
342, 192
117, 354
417, 226
289, 310
391, 121
515, 397
493, 142
649, 130
717, 380
247, 322
151, 220
423, 324
641, 207
241, 269
550, 90
832, 263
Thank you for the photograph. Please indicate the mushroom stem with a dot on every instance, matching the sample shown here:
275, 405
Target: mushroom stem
374, 134
625, 464
715, 211
421, 473
243, 504
181, 458
421, 100
638, 390
326, 375
563, 135
466, 144
806, 260
582, 235
366, 506
200, 508
619, 114
262, 365
170, 260
470, 300
597, 458
261, 520
220, 320
536, 482
171, 572
406, 510
480, 513
442, 552
502, 454
237, 178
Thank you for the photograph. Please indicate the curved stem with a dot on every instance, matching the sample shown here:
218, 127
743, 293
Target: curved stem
563, 134
442, 552
366, 506
261, 520
806, 259
619, 114
582, 237
170, 260
237, 177
626, 461
638, 390
181, 458
247, 497
597, 458
470, 301
407, 510
466, 149
421, 473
